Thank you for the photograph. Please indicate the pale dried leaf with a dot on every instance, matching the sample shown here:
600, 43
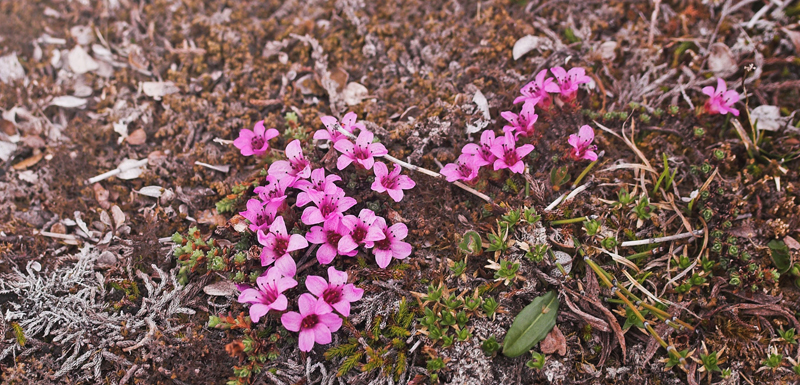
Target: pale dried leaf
80, 62
105, 218
483, 105
121, 128
28, 176
68, 101
151, 191
6, 150
157, 90
721, 61
528, 43
220, 289
10, 68
768, 118
354, 93
119, 216
129, 171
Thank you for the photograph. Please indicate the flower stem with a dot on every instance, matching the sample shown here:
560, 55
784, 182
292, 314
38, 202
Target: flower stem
573, 220
585, 171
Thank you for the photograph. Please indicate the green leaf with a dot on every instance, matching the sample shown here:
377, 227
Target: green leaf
780, 255
531, 325
471, 243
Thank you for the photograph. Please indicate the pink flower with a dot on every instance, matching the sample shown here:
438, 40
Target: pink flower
391, 246
363, 152
331, 131
464, 169
255, 141
328, 235
277, 246
297, 165
393, 182
508, 155
721, 100
568, 81
327, 206
582, 147
319, 183
361, 230
269, 294
259, 215
274, 192
537, 91
522, 124
338, 293
483, 153
315, 322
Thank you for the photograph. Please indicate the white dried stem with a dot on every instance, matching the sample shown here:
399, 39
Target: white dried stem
662, 239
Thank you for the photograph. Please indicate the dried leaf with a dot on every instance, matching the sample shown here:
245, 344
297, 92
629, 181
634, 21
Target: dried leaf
129, 169
791, 243
101, 195
211, 217
721, 61
35, 158
10, 68
483, 105
528, 43
794, 36
105, 218
220, 289
151, 191
6, 150
136, 137
28, 176
768, 118
157, 90
80, 62
68, 101
354, 93
554, 342
119, 216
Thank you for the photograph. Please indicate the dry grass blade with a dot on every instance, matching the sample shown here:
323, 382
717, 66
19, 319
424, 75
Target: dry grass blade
624, 138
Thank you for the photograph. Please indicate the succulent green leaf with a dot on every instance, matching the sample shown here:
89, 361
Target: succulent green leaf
780, 255
531, 325
471, 243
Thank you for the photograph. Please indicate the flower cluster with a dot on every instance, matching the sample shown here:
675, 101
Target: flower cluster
325, 207
362, 154
503, 152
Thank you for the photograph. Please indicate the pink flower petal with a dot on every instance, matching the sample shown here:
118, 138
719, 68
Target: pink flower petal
306, 340
326, 253
322, 335
280, 303
332, 321
257, 311
286, 265
291, 321
306, 303
296, 242
337, 277
316, 285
